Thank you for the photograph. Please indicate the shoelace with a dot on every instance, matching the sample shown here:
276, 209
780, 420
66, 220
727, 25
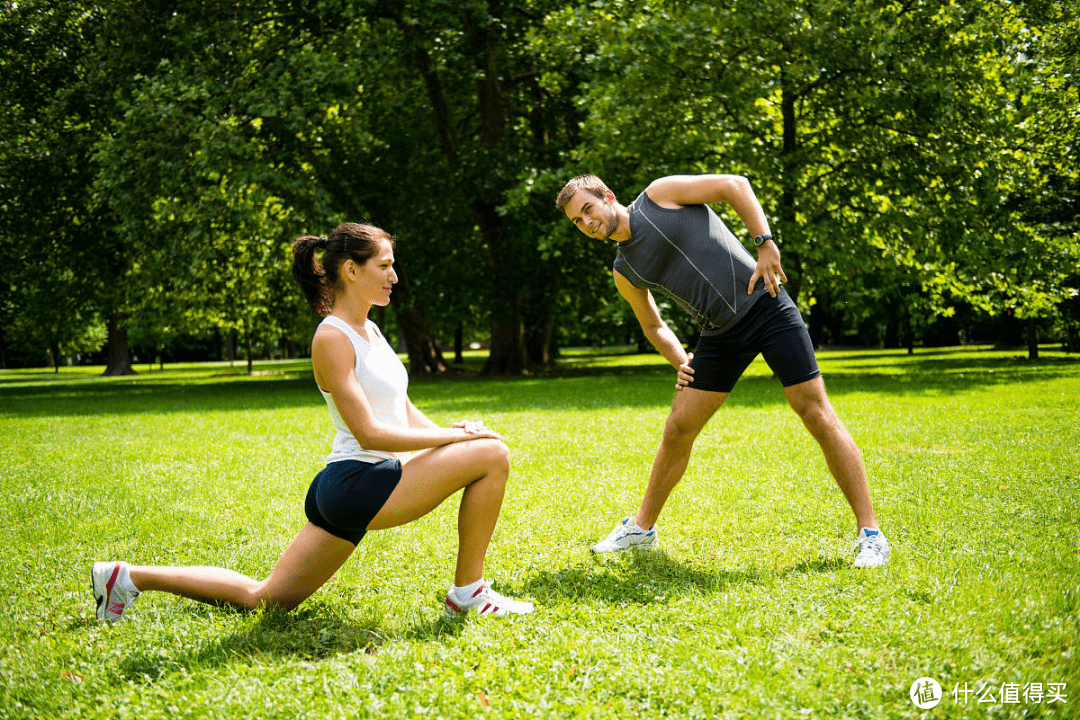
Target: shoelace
867, 542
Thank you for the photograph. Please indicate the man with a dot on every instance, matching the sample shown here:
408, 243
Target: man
670, 241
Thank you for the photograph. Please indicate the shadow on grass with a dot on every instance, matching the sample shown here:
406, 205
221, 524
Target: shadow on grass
134, 397
584, 388
317, 631
648, 577
310, 634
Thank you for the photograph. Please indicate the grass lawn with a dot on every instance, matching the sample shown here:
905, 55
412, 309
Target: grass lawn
750, 609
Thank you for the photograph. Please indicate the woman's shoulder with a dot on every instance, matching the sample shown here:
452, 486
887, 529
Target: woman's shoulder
330, 336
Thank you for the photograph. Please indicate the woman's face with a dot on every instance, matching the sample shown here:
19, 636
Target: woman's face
375, 278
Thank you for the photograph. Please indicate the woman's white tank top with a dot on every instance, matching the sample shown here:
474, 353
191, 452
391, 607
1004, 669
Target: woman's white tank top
384, 380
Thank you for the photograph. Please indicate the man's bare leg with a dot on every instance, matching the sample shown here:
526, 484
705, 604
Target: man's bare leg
690, 410
812, 405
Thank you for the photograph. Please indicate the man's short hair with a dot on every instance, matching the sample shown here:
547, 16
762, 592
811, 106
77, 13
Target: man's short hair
589, 183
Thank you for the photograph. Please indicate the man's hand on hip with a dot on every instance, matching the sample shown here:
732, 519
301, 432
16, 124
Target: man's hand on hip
768, 268
686, 373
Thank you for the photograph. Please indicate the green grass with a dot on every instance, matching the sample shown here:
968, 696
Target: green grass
750, 610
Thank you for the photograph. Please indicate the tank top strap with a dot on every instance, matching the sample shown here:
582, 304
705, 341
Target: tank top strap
350, 332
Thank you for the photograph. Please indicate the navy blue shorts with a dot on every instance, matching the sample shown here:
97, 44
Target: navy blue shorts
346, 495
774, 329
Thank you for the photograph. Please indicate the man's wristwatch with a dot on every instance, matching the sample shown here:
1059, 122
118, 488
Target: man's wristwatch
758, 239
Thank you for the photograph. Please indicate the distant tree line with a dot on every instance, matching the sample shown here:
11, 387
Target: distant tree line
917, 159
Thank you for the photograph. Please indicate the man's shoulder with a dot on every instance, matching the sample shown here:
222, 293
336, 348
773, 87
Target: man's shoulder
641, 199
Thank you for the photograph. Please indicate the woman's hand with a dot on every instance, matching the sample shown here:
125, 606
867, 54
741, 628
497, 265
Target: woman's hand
475, 430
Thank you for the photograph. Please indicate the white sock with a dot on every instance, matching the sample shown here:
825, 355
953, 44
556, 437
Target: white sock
124, 579
465, 592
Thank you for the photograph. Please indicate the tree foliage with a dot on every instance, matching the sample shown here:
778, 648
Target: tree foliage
63, 267
886, 139
158, 158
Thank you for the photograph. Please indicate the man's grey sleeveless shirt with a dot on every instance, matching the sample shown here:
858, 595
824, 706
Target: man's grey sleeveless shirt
689, 256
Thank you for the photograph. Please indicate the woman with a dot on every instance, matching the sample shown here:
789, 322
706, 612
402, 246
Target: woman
368, 484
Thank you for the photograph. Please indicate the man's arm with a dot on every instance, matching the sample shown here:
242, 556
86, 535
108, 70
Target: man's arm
656, 330
677, 190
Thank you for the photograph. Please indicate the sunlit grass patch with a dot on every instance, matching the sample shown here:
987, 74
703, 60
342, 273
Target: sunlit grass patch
749, 608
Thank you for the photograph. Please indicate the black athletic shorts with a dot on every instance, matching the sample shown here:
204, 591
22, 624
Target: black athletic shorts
346, 495
774, 328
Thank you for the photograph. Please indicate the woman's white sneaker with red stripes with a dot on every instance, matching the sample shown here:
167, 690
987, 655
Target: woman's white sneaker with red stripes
485, 601
112, 595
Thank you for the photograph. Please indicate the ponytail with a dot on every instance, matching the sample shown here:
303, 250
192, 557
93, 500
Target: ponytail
318, 278
309, 273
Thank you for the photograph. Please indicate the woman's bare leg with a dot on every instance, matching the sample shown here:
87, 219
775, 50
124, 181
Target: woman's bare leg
314, 555
311, 559
480, 467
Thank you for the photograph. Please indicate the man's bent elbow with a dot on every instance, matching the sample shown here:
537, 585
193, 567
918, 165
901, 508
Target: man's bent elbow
738, 185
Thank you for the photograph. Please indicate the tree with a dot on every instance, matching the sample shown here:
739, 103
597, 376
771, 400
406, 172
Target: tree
56, 103
67, 71
256, 131
495, 125
868, 129
175, 148
48, 307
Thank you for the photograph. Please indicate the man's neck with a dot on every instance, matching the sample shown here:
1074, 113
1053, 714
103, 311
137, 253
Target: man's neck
622, 231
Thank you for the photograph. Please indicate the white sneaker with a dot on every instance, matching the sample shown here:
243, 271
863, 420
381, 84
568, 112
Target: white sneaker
485, 601
873, 548
627, 535
112, 597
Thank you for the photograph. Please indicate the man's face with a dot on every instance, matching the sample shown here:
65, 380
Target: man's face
592, 215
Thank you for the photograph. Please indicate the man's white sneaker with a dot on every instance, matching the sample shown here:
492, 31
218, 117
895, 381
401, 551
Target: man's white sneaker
627, 535
485, 601
113, 591
873, 548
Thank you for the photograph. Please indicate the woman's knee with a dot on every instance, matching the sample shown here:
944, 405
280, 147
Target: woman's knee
252, 597
265, 595
494, 454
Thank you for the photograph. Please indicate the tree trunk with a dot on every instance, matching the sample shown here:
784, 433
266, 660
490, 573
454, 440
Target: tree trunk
459, 343
909, 328
816, 325
507, 353
540, 320
54, 356
1033, 339
789, 183
538, 336
247, 343
118, 355
425, 357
